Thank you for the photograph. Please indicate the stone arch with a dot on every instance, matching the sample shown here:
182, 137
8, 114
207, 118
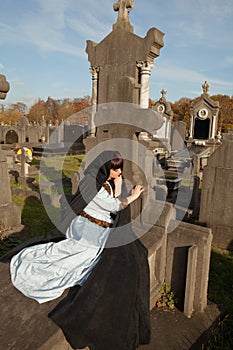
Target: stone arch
11, 137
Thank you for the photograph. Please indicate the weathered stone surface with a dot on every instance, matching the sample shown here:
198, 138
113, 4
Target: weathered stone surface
4, 87
217, 195
10, 213
188, 273
116, 56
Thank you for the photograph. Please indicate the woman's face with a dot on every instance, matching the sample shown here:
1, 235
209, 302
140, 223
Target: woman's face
114, 173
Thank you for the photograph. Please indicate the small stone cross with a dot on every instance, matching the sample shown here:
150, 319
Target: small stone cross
123, 7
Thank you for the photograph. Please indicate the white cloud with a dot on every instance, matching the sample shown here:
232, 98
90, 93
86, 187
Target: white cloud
1, 66
168, 73
19, 83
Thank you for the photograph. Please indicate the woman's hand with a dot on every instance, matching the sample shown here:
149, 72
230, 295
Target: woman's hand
137, 190
135, 193
118, 179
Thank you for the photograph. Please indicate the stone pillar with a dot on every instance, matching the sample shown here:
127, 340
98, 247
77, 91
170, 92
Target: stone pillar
213, 131
191, 127
95, 77
10, 213
145, 72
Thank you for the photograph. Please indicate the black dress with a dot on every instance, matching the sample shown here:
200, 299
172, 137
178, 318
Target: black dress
111, 310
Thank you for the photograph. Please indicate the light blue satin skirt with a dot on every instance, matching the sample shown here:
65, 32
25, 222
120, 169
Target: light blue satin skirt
42, 272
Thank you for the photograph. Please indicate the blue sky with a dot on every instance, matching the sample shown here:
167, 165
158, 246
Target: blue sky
42, 46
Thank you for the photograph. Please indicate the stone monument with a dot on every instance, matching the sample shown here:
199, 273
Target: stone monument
203, 137
217, 195
121, 63
163, 107
204, 119
10, 213
121, 66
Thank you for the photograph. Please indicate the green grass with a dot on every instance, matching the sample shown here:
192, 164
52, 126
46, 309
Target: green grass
57, 169
33, 213
221, 292
34, 217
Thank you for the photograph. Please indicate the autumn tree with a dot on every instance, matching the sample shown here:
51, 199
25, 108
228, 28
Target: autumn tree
181, 110
37, 111
19, 107
57, 110
10, 117
225, 120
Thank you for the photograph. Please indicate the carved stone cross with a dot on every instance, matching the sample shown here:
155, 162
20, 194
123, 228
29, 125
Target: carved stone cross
4, 87
123, 7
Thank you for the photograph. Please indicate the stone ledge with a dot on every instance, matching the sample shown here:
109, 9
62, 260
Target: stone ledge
25, 325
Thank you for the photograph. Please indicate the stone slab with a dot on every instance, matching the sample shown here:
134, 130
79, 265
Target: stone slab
25, 325
172, 330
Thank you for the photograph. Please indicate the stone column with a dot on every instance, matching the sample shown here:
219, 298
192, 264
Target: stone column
145, 72
191, 127
95, 77
213, 131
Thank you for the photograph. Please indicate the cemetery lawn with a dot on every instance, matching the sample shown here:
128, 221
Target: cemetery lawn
33, 213
221, 292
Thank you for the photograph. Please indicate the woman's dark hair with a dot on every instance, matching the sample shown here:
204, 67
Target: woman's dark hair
117, 161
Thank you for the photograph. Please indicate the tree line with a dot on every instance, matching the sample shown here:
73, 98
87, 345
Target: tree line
53, 110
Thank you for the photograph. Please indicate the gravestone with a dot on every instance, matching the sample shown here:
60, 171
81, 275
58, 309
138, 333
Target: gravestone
121, 66
10, 213
163, 135
204, 119
178, 135
217, 195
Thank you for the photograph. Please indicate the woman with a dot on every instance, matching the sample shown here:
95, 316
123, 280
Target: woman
114, 292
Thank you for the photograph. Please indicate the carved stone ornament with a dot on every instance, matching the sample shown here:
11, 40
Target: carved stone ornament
203, 113
161, 108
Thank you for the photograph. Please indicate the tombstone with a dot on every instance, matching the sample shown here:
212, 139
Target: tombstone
10, 213
121, 66
217, 195
195, 201
163, 135
204, 118
75, 181
178, 135
121, 63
